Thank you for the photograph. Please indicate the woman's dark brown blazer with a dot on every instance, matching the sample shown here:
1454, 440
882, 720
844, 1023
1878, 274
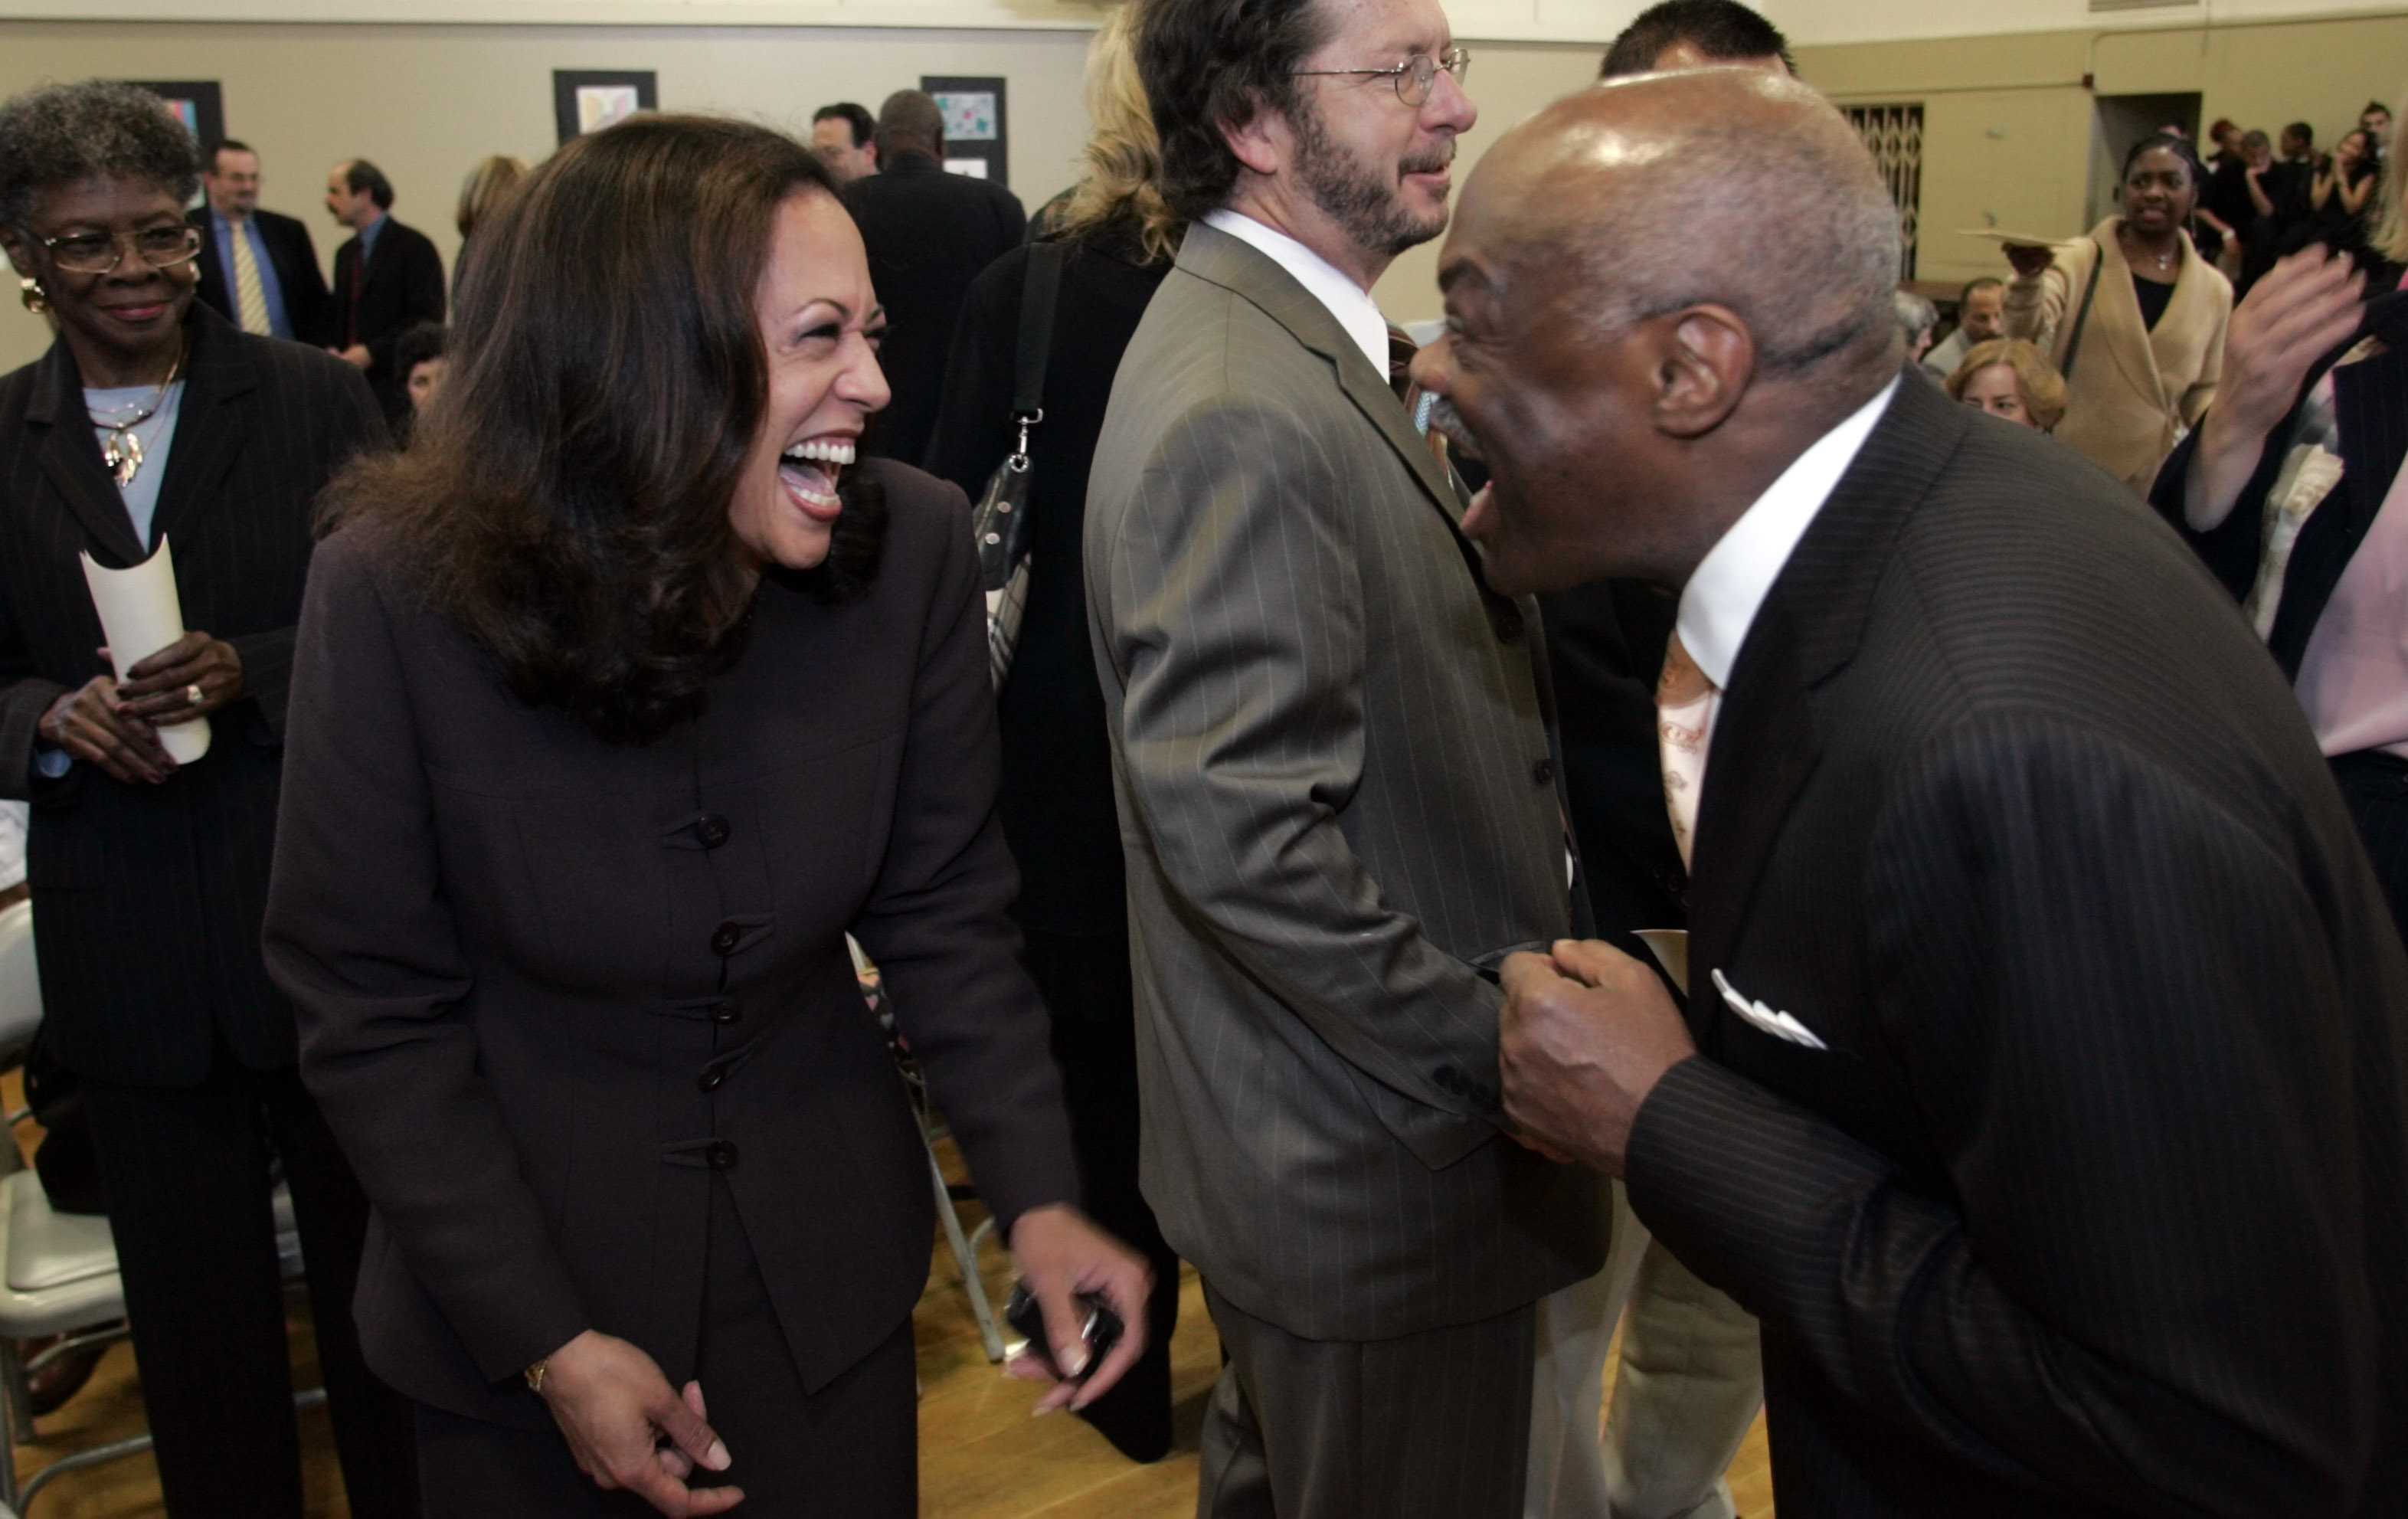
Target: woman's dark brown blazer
551, 988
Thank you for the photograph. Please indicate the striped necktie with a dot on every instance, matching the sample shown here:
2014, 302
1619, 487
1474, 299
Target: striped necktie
250, 295
1685, 720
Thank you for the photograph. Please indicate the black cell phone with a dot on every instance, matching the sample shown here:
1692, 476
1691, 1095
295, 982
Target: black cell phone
1102, 1330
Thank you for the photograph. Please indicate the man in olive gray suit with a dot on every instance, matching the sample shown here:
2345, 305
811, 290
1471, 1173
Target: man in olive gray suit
1335, 787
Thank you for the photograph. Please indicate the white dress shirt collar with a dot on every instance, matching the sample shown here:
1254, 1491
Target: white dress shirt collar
1349, 302
1728, 586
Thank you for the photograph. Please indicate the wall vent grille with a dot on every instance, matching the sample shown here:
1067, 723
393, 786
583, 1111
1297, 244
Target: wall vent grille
1894, 135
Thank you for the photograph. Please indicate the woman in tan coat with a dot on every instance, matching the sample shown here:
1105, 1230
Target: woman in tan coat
2131, 316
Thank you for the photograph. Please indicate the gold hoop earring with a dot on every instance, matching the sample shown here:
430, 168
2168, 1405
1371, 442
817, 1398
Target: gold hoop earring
30, 291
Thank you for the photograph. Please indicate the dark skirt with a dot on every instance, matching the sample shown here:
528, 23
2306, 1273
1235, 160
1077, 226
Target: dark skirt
850, 1449
2376, 786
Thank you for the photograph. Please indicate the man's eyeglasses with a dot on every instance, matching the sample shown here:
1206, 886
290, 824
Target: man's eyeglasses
1415, 76
98, 252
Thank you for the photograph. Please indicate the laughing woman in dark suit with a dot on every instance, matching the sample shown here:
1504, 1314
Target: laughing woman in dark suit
623, 696
155, 420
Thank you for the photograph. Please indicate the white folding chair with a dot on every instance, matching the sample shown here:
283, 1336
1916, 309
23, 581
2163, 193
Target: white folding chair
58, 1271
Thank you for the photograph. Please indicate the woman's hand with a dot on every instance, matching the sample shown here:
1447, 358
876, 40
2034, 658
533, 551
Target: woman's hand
614, 1408
159, 688
1062, 1254
91, 725
2304, 308
2029, 260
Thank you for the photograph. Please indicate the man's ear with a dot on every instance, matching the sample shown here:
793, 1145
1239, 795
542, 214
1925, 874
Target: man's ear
1263, 142
1705, 364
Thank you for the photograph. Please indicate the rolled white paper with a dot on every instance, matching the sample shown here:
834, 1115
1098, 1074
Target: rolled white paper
140, 615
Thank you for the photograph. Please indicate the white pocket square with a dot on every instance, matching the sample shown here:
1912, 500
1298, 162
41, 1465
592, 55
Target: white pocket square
1770, 1020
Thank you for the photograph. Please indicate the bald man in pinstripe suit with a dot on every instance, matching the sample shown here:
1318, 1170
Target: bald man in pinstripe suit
1336, 795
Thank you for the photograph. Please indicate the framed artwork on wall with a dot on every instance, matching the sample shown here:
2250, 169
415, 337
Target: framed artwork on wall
199, 104
588, 100
976, 141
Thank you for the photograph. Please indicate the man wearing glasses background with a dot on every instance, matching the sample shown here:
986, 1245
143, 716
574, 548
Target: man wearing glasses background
1337, 792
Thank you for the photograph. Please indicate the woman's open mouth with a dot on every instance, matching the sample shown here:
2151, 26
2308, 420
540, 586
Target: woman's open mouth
809, 470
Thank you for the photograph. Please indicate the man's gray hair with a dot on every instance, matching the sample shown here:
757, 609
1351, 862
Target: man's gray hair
1915, 316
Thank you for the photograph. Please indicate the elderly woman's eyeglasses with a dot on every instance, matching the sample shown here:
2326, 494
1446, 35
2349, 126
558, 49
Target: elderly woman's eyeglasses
98, 252
1415, 76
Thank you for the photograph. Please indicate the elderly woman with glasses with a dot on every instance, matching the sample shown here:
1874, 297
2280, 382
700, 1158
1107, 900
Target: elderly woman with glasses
153, 421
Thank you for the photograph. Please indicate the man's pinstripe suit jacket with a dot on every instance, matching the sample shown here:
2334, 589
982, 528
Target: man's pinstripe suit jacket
1331, 759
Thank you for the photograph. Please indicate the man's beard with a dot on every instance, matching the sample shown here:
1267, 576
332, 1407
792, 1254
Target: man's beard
1371, 211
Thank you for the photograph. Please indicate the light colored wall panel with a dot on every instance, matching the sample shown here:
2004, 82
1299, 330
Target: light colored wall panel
2007, 119
426, 102
1807, 22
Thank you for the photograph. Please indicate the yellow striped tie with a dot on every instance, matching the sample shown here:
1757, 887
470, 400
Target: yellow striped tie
250, 297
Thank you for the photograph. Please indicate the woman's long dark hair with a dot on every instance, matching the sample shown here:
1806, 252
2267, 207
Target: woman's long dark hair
566, 497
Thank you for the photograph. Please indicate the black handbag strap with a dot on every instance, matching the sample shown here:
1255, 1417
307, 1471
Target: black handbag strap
1037, 300
2082, 318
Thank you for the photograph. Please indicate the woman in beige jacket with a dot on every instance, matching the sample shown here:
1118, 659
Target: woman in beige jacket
2132, 317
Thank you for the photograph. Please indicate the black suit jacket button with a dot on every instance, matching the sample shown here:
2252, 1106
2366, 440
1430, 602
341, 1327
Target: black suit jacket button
713, 1077
721, 1155
727, 1011
712, 830
1543, 770
725, 939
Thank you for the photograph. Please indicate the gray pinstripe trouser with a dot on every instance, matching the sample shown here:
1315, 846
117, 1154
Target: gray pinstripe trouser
1427, 1425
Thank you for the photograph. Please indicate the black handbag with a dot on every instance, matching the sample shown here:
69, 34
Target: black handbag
999, 521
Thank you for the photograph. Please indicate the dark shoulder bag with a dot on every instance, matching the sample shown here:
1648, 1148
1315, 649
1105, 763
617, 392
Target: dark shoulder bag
2082, 317
999, 523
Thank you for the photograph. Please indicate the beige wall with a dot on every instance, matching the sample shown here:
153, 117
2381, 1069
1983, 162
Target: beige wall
426, 102
2007, 118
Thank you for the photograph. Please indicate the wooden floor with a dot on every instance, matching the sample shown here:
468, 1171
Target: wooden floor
982, 1455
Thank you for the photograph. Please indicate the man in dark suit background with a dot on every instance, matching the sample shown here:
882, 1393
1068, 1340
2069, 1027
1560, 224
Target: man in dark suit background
2042, 1086
258, 269
929, 233
388, 278
1687, 1388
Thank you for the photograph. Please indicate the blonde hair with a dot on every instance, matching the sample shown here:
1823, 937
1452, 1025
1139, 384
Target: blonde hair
2390, 238
1124, 156
2036, 379
488, 185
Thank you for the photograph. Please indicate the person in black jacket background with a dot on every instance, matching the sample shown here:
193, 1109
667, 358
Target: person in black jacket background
290, 300
388, 278
929, 233
1058, 781
150, 877
2292, 492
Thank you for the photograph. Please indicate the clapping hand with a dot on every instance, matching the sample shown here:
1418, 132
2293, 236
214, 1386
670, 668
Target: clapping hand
2303, 309
1584, 1035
